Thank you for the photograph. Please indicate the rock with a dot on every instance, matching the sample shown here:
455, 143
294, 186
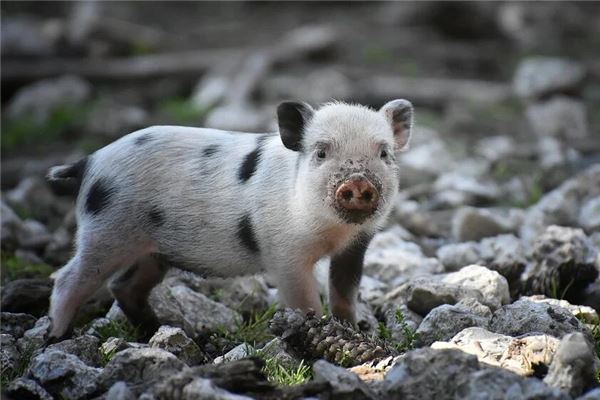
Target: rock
445, 321
421, 221
504, 254
15, 324
110, 119
374, 371
22, 388
573, 368
9, 353
30, 296
428, 374
490, 284
112, 346
498, 384
541, 76
345, 384
36, 336
423, 294
583, 313
239, 352
371, 289
84, 347
591, 395
392, 259
33, 235
565, 261
239, 118
560, 117
38, 100
200, 388
177, 305
470, 223
589, 215
278, 350
475, 307
530, 355
562, 205
30, 37
525, 316
453, 189
10, 225
120, 391
495, 148
175, 341
60, 248
140, 368
246, 294
63, 374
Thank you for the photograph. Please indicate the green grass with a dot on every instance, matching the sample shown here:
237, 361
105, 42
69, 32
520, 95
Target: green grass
280, 374
254, 330
21, 364
118, 329
410, 336
183, 111
25, 131
15, 268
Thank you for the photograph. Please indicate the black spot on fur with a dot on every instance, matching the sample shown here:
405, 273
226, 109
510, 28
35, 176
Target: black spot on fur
99, 196
140, 140
68, 181
210, 150
246, 234
248, 167
157, 216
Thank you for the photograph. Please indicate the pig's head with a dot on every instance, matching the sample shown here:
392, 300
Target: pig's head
346, 168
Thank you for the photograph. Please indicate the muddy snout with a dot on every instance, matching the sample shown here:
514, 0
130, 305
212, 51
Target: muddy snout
357, 193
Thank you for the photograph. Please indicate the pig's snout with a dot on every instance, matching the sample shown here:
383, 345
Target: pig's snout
357, 194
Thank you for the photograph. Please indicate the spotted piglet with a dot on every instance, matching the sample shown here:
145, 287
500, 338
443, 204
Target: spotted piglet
224, 204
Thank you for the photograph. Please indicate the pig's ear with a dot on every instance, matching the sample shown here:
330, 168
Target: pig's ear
399, 114
292, 117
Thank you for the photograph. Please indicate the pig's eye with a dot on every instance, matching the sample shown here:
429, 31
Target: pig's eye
321, 154
383, 154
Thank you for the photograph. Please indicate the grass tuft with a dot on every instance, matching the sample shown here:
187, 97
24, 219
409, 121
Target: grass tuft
14, 267
254, 330
118, 329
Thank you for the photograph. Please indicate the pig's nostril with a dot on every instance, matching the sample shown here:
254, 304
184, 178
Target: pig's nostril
367, 195
347, 194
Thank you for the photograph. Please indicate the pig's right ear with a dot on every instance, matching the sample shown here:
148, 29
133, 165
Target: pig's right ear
293, 117
399, 114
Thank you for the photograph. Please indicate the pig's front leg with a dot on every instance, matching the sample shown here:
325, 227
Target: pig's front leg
297, 287
345, 272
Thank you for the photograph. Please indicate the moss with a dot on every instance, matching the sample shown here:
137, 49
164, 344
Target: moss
182, 111
27, 131
118, 329
254, 330
14, 267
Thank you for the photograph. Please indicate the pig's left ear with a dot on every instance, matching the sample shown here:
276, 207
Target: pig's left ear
399, 114
293, 117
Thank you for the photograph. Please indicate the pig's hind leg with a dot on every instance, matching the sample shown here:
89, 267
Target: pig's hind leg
132, 288
99, 255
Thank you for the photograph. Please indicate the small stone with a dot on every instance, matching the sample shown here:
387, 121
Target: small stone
565, 262
33, 235
30, 296
139, 368
175, 341
23, 388
470, 223
525, 316
201, 388
41, 98
15, 324
36, 336
278, 350
560, 117
540, 76
582, 313
490, 284
589, 215
573, 367
237, 353
84, 347
453, 189
63, 374
119, 391
426, 294
345, 384
445, 321
375, 371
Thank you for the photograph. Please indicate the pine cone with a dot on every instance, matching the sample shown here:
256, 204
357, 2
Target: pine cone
327, 338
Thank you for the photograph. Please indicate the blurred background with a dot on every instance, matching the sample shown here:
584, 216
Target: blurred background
506, 93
